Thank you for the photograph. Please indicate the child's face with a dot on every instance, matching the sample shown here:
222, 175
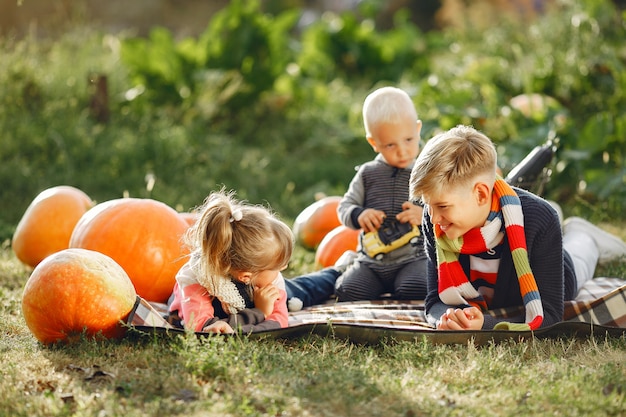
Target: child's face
257, 279
460, 209
264, 278
398, 143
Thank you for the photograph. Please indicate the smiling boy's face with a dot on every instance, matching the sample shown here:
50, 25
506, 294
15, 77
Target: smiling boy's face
459, 209
397, 142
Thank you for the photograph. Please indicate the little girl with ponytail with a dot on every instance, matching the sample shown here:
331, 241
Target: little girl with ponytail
232, 280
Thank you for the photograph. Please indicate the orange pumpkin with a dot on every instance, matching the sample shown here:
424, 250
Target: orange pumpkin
143, 236
334, 244
77, 292
48, 222
315, 221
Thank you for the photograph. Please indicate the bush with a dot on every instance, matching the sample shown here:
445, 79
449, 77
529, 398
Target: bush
244, 47
275, 113
352, 49
574, 55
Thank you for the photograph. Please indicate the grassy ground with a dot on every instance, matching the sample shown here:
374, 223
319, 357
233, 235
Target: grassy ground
314, 376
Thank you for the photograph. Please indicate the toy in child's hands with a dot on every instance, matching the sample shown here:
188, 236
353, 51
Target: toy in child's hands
390, 236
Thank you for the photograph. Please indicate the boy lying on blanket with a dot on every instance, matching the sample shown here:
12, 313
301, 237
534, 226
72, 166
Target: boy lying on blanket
490, 245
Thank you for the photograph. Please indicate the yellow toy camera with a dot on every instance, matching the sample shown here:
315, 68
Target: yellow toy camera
390, 236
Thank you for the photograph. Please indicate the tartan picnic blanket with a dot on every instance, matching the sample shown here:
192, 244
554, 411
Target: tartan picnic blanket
599, 308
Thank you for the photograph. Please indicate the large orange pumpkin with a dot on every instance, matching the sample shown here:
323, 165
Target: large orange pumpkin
143, 236
334, 244
315, 221
48, 222
77, 292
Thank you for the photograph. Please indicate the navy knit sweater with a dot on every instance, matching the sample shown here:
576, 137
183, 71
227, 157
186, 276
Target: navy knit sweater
552, 267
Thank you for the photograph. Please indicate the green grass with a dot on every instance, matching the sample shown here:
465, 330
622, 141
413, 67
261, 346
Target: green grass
311, 376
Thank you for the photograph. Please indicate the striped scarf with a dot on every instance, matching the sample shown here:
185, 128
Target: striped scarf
505, 216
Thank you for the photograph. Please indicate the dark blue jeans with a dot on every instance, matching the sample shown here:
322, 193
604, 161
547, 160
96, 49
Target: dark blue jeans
313, 288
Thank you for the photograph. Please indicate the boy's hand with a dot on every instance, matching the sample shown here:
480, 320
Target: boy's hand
470, 318
264, 298
370, 220
410, 213
218, 327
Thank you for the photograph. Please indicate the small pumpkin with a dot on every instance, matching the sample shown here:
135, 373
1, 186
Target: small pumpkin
143, 236
334, 244
76, 292
48, 222
315, 221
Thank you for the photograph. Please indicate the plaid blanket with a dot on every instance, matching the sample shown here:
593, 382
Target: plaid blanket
599, 308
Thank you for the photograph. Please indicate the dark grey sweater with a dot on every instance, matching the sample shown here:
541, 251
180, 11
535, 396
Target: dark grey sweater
379, 186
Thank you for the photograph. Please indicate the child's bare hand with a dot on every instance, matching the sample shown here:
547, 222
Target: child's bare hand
470, 318
410, 213
218, 327
370, 220
264, 298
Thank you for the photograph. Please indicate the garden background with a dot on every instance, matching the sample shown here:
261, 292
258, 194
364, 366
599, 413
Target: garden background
172, 99
265, 97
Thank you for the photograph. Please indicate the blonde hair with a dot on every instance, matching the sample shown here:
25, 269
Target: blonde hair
231, 235
453, 158
386, 105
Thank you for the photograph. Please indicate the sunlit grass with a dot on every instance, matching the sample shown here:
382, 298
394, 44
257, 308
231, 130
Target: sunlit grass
308, 376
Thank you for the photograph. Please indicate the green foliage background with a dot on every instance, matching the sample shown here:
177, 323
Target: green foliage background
271, 109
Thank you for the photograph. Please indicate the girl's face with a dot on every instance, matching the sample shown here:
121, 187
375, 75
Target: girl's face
257, 279
264, 278
458, 210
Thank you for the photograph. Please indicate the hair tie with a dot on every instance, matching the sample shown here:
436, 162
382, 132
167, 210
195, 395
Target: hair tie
236, 215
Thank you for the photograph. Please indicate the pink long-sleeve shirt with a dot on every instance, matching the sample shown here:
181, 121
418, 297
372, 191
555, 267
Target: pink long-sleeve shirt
197, 308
